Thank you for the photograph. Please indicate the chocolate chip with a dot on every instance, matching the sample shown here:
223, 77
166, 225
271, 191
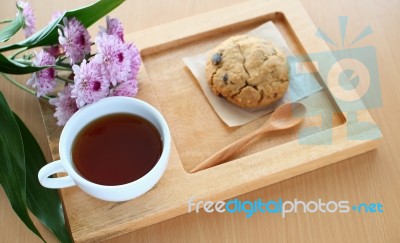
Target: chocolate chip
225, 78
216, 58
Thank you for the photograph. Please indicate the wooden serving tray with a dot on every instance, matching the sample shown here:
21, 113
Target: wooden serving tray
197, 132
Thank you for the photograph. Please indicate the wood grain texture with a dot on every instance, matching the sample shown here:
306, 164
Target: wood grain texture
369, 177
283, 157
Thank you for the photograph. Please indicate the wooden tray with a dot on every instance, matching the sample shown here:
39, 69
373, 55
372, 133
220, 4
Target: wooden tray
197, 132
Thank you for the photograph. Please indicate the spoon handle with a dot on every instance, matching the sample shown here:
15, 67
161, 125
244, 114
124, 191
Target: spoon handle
221, 156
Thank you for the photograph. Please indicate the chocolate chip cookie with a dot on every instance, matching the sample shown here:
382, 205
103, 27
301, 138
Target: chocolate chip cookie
248, 71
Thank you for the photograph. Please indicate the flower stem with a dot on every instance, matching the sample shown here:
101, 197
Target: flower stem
88, 56
61, 59
23, 61
6, 21
18, 52
65, 79
23, 87
61, 64
58, 67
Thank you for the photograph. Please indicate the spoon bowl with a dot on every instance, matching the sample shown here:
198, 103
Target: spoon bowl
286, 116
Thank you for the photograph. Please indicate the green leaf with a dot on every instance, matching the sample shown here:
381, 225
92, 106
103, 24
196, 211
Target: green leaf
49, 36
13, 67
16, 24
44, 203
12, 164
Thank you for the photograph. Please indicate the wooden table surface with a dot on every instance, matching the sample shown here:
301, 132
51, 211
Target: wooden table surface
370, 177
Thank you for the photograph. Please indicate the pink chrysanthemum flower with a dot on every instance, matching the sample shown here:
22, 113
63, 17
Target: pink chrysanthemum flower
114, 57
135, 60
65, 106
90, 84
43, 80
75, 39
29, 18
55, 51
127, 88
114, 27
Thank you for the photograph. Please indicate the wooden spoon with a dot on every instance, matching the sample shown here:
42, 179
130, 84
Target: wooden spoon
284, 117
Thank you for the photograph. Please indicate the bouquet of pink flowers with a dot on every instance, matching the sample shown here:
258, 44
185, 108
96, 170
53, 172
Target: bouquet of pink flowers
71, 71
88, 71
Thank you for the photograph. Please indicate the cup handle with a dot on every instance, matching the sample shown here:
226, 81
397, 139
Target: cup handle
55, 183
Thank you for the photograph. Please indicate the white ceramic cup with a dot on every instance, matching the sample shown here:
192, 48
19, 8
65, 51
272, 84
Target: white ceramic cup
83, 117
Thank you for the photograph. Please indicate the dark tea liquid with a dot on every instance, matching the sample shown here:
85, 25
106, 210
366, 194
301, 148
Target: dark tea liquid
116, 149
